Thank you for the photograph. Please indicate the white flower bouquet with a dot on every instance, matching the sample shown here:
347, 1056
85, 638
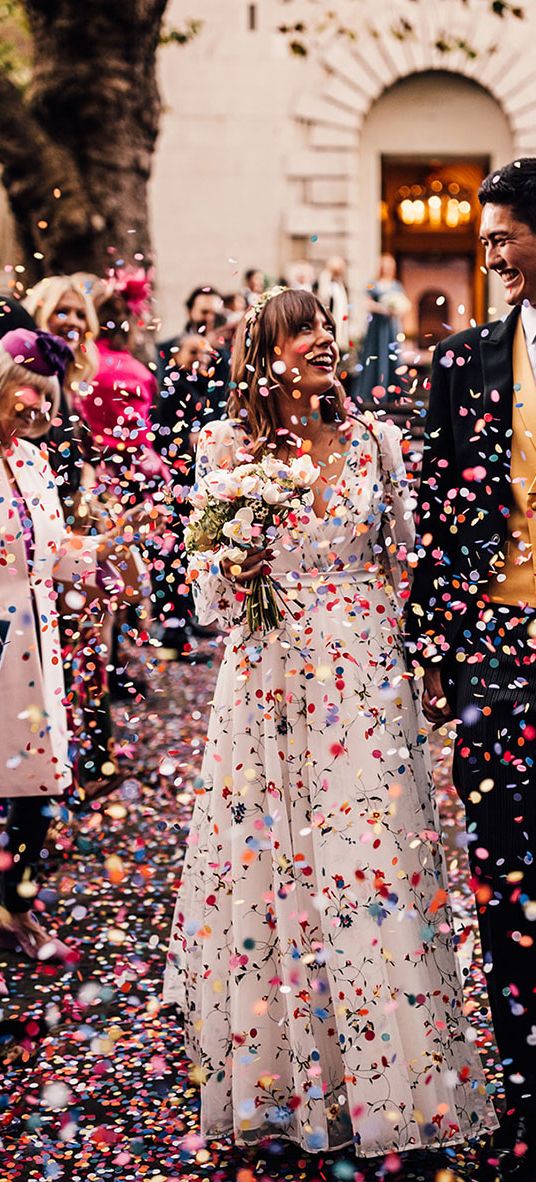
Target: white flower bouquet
242, 508
396, 302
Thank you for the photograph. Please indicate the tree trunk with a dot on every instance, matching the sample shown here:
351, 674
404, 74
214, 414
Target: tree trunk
77, 149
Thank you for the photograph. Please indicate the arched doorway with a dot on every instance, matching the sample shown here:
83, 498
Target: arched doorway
426, 143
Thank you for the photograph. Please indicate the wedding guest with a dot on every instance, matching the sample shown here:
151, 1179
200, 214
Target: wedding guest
117, 410
205, 318
333, 292
188, 400
235, 304
64, 305
311, 949
36, 549
472, 623
234, 307
254, 285
301, 275
386, 304
60, 304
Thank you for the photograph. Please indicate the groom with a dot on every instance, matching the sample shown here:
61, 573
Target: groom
472, 621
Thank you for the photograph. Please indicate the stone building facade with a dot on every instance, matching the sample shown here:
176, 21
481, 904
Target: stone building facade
266, 157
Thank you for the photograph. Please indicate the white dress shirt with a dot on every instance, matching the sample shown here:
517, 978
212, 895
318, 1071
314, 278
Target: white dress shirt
528, 317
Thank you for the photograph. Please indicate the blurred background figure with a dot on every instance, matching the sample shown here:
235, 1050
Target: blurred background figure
234, 304
204, 308
60, 305
206, 316
333, 294
301, 275
63, 305
386, 305
117, 409
189, 398
254, 285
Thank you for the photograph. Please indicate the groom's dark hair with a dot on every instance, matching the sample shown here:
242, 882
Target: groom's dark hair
513, 185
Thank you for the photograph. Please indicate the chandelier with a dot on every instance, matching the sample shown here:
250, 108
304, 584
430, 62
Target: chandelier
438, 205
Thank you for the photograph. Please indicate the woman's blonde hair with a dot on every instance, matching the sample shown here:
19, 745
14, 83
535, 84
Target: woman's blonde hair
276, 318
41, 302
12, 373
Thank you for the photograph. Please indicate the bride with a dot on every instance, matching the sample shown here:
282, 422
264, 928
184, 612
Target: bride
311, 950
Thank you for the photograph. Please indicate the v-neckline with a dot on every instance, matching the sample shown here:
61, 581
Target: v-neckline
322, 519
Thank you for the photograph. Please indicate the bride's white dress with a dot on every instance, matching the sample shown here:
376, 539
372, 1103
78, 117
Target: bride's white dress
311, 950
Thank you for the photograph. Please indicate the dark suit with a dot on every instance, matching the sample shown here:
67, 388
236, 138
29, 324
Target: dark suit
484, 653
186, 402
165, 359
466, 451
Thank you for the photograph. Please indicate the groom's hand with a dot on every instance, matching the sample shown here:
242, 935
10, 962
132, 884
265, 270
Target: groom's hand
434, 703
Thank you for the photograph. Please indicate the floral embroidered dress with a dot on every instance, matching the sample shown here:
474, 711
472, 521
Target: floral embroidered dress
311, 949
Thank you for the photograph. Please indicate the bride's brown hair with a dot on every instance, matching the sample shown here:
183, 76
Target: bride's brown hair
253, 380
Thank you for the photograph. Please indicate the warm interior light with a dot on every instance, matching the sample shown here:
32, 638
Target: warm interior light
406, 212
452, 216
436, 206
434, 211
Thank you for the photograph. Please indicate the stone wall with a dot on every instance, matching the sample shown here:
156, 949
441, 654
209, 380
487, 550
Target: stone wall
265, 157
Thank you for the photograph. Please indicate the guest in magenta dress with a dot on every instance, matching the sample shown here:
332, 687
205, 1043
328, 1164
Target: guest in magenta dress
117, 412
117, 408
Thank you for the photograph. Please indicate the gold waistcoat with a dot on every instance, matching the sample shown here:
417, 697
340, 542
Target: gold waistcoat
515, 582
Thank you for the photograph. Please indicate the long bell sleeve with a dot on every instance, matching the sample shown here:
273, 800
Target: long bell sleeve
399, 512
216, 599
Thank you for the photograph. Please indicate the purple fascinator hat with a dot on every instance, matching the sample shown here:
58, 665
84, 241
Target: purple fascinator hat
40, 352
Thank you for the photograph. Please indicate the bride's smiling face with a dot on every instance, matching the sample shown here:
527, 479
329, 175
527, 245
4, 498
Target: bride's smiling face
309, 358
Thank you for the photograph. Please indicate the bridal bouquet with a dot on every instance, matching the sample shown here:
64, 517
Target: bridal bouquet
242, 508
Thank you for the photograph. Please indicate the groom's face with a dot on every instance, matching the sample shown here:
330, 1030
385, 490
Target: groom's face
510, 247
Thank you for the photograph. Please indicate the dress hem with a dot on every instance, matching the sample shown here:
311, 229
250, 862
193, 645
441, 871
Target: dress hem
421, 1147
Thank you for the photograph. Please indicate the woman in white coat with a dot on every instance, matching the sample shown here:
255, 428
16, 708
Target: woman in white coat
36, 555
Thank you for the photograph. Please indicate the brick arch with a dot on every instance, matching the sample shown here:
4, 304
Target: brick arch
355, 77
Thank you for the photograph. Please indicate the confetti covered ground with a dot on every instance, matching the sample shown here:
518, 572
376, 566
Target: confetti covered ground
109, 1094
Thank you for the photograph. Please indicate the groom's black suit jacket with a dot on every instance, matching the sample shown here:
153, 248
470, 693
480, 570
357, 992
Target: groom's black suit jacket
465, 494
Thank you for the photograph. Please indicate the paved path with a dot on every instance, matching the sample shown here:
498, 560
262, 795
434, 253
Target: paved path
109, 1096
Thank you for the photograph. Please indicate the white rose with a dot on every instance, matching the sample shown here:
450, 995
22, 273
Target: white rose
275, 468
273, 494
251, 486
222, 485
243, 470
303, 471
199, 496
240, 528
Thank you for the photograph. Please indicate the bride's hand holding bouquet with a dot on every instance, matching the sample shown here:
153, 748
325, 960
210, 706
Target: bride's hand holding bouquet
237, 514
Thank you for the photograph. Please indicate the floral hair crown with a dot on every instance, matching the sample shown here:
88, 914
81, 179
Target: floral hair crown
253, 314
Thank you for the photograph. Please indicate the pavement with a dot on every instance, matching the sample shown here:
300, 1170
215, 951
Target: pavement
109, 1094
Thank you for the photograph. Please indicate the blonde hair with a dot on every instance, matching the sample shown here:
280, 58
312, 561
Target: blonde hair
41, 302
280, 317
12, 373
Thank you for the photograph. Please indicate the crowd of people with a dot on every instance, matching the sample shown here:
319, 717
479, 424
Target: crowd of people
228, 481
